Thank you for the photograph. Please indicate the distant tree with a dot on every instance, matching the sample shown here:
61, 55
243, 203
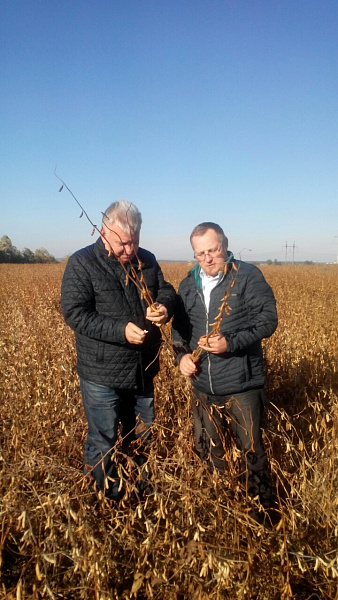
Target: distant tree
308, 262
6, 244
269, 262
42, 256
277, 262
28, 256
8, 252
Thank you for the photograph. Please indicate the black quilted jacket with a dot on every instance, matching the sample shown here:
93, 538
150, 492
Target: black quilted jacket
252, 317
97, 305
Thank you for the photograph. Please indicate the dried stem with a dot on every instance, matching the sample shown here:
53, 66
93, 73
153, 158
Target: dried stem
139, 281
224, 308
136, 278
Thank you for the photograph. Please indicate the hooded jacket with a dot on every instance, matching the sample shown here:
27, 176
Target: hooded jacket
250, 316
97, 304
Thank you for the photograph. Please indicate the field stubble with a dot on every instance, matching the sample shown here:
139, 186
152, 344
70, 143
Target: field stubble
186, 539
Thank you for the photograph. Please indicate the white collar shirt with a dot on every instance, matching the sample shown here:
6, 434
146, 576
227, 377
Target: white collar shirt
208, 284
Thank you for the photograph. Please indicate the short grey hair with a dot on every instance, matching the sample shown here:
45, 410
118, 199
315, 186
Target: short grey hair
125, 214
203, 227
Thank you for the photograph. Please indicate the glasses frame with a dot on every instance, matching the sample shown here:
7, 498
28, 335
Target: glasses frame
201, 256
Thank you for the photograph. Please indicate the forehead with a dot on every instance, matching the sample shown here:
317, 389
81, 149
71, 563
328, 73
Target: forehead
119, 234
207, 241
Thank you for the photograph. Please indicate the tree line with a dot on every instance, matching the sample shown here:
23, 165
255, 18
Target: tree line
10, 253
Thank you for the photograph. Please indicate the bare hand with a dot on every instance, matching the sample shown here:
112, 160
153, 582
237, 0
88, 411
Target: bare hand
216, 344
158, 317
134, 335
187, 366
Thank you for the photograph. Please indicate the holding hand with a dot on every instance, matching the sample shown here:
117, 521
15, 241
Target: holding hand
216, 344
187, 366
134, 335
158, 317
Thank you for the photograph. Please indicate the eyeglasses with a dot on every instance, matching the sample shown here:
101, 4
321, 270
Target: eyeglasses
200, 256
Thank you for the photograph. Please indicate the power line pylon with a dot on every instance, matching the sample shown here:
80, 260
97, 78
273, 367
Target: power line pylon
286, 251
293, 252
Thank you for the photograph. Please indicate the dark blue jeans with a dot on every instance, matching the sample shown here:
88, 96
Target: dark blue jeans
105, 408
245, 412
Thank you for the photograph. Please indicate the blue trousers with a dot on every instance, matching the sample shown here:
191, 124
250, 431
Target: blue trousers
244, 412
105, 408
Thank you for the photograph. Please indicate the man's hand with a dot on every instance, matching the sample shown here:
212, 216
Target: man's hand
158, 317
134, 335
216, 344
187, 366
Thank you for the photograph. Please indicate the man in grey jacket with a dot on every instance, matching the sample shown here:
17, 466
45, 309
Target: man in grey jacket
105, 300
225, 309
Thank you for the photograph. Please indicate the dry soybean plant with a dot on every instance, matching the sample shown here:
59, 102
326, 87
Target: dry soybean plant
224, 309
186, 538
133, 275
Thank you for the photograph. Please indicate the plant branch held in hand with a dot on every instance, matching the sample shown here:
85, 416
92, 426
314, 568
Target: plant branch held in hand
156, 313
224, 308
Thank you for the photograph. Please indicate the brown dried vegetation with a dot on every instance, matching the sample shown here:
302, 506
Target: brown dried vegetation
186, 538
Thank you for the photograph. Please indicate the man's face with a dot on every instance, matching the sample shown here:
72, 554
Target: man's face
123, 244
209, 252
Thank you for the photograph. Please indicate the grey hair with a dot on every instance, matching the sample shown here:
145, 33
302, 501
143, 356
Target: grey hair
203, 227
125, 214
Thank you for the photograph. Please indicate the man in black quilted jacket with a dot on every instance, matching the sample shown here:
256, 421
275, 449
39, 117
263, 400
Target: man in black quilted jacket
231, 300
117, 337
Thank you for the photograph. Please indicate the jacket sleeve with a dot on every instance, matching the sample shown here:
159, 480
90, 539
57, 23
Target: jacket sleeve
78, 306
261, 310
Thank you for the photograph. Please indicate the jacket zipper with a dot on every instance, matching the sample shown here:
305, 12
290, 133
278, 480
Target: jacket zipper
201, 295
206, 333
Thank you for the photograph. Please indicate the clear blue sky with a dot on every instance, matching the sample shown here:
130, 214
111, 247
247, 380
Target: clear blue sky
218, 110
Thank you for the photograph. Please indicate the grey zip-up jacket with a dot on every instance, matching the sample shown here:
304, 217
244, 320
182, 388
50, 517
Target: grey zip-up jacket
251, 317
97, 304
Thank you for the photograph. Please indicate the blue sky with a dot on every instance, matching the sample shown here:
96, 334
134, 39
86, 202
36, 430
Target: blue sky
216, 110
